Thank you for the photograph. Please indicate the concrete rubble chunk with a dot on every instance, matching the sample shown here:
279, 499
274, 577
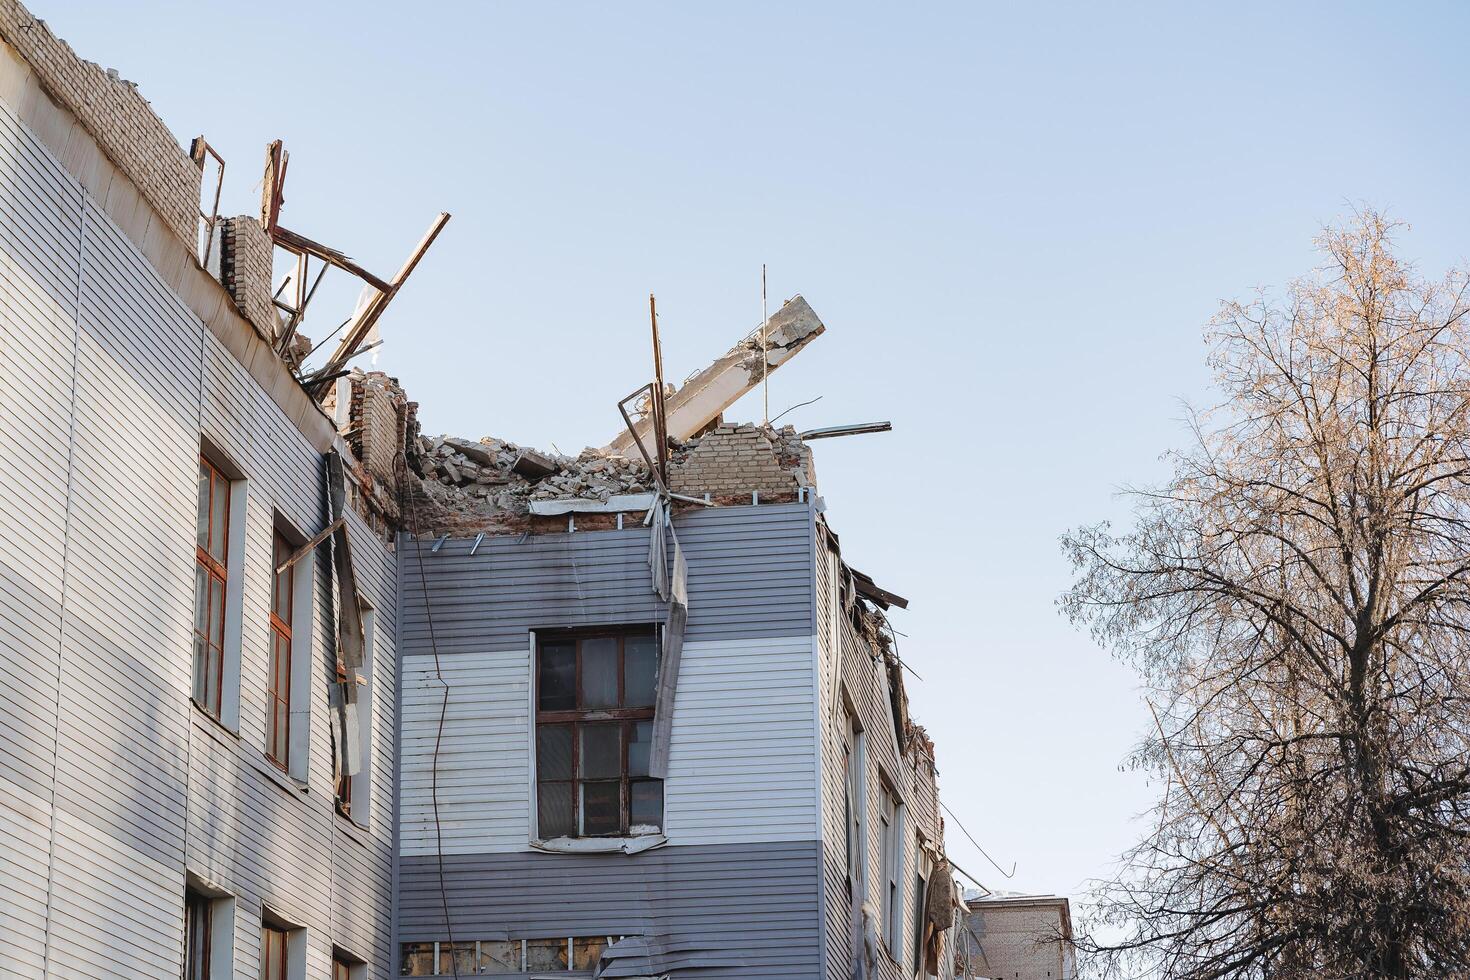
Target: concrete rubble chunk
701, 399
533, 465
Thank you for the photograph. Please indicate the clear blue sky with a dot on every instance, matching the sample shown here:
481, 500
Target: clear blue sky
1013, 219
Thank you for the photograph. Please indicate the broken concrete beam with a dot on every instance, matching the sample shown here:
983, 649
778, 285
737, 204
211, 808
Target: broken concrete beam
711, 391
533, 465
479, 452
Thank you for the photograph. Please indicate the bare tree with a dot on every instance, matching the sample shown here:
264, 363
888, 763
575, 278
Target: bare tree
1297, 600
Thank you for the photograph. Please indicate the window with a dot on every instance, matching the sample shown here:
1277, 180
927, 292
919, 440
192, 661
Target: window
210, 579
341, 969
501, 957
855, 802
198, 931
594, 729
272, 952
917, 926
890, 828
278, 673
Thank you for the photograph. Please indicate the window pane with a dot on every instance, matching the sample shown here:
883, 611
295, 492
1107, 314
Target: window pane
201, 670
553, 752
640, 667
218, 526
201, 600
417, 960
464, 958
556, 683
602, 808
546, 954
272, 953
500, 956
639, 747
600, 672
212, 669
280, 731
281, 597
646, 805
586, 951
554, 814
202, 523
216, 611
196, 939
601, 754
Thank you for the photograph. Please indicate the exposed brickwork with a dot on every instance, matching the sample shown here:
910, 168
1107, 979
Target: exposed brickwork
1018, 939
117, 117
245, 269
376, 422
735, 459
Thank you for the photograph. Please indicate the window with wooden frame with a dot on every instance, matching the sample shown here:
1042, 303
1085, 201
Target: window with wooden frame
855, 799
594, 730
890, 828
341, 967
210, 579
272, 952
198, 930
278, 670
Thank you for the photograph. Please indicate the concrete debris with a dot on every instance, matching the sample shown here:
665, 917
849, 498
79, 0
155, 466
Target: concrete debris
700, 400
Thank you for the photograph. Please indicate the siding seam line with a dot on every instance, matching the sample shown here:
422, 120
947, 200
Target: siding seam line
71, 440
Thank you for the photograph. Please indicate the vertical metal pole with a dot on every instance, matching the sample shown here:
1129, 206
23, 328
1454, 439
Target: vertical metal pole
765, 354
660, 432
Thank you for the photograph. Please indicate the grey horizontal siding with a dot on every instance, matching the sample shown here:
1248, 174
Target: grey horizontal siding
749, 575
112, 786
40, 240
720, 910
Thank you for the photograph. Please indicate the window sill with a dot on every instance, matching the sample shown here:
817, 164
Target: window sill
212, 726
273, 772
358, 833
600, 845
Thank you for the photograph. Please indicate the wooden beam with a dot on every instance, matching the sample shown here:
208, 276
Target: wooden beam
370, 313
301, 245
310, 546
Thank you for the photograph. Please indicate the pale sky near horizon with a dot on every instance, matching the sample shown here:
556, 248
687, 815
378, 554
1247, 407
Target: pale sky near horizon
1013, 219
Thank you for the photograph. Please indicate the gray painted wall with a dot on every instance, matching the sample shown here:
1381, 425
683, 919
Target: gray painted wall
733, 894
112, 785
715, 910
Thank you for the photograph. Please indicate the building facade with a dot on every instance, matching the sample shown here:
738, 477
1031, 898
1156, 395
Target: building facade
797, 828
168, 800
482, 740
1017, 937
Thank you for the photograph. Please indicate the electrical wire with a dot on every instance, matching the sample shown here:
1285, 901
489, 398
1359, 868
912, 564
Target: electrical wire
1009, 874
438, 735
810, 401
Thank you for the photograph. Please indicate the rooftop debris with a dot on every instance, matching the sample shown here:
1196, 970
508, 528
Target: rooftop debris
702, 398
370, 307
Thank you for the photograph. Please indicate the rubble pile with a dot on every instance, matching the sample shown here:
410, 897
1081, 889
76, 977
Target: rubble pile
508, 476
492, 482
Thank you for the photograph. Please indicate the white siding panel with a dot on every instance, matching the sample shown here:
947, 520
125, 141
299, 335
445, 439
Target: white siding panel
742, 760
112, 785
484, 765
742, 767
40, 240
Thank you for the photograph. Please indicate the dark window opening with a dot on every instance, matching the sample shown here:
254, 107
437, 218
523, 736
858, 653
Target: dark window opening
594, 729
210, 556
278, 674
199, 911
272, 952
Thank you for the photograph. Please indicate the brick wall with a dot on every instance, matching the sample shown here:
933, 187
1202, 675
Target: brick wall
377, 416
117, 117
245, 269
734, 459
1016, 942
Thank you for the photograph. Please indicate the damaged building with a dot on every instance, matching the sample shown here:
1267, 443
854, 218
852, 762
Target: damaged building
290, 688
